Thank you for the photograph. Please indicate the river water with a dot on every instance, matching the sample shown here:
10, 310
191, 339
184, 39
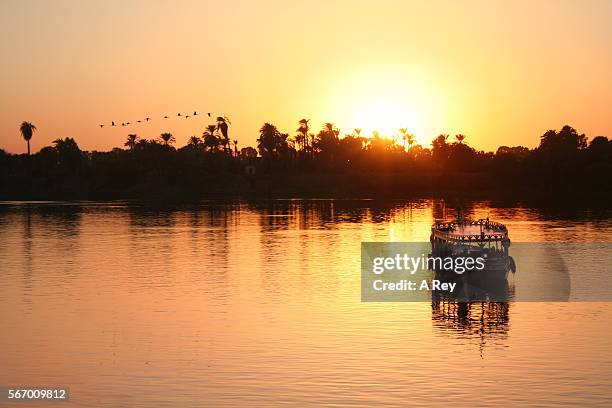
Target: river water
258, 304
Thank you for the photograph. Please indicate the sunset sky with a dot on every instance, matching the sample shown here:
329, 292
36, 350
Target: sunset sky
500, 73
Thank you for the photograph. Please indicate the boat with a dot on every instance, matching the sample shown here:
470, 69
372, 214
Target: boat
474, 238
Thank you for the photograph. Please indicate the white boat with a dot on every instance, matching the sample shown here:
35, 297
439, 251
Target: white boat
483, 237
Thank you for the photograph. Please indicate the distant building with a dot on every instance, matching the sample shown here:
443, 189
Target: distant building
249, 164
250, 169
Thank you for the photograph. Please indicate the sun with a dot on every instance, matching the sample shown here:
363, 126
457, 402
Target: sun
386, 116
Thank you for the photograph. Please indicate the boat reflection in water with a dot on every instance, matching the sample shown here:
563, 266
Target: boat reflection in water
486, 321
477, 307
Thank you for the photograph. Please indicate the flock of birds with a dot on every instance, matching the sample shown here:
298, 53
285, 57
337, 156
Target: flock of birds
165, 117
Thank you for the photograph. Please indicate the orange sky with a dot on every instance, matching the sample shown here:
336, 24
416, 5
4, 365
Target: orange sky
500, 73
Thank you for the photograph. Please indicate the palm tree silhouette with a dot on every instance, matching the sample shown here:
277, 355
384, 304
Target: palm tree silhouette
303, 131
357, 132
268, 135
194, 142
460, 138
211, 142
27, 130
167, 138
409, 137
211, 129
235, 148
131, 141
403, 131
329, 127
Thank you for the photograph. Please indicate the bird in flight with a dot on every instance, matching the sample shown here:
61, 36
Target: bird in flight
123, 124
127, 123
101, 126
147, 119
139, 121
209, 114
112, 123
165, 117
178, 114
186, 116
195, 113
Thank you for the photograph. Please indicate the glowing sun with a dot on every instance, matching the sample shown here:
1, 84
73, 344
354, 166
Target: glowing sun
386, 116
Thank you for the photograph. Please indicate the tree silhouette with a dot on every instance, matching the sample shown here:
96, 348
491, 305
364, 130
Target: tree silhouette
440, 149
27, 130
600, 149
558, 156
194, 142
460, 138
327, 141
567, 139
267, 142
167, 139
131, 141
68, 153
409, 138
211, 141
303, 133
248, 152
403, 132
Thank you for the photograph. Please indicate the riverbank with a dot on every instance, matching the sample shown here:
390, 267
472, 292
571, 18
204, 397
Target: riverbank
291, 185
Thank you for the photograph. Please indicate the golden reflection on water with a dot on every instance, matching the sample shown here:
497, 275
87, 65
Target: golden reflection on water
259, 303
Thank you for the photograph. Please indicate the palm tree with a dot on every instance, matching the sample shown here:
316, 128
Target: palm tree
211, 129
357, 132
211, 142
131, 141
329, 127
327, 141
167, 138
403, 131
69, 155
194, 142
303, 131
460, 138
409, 139
268, 137
27, 129
235, 148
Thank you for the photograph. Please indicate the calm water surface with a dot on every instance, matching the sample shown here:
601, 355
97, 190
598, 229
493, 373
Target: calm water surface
259, 305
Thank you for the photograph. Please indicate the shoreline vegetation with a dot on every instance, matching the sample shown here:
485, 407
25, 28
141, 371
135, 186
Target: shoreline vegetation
565, 165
